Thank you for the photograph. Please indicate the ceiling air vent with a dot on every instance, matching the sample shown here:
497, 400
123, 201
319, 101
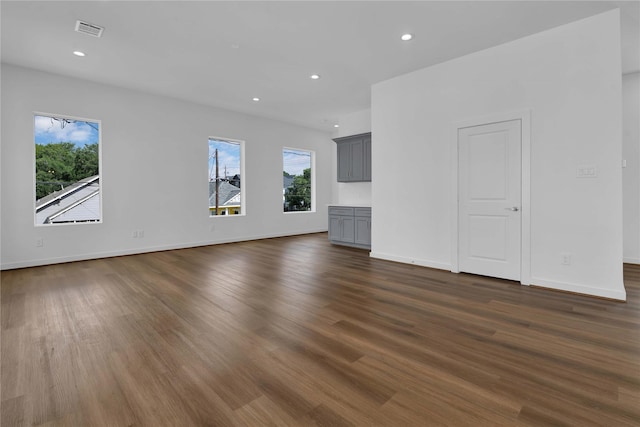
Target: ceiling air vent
91, 29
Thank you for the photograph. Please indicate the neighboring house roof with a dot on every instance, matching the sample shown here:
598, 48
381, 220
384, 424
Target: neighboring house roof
79, 202
234, 180
234, 201
229, 194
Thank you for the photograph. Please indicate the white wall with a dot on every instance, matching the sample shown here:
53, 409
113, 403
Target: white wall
154, 176
354, 123
570, 80
351, 193
631, 174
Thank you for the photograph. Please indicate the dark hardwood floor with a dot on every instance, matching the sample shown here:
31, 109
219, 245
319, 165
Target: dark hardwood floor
294, 331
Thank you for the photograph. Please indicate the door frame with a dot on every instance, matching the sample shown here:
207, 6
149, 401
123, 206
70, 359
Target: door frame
525, 218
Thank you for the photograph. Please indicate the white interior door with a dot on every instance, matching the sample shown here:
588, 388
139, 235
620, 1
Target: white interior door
489, 199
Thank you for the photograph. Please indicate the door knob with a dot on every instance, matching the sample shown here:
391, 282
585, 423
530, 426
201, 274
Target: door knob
513, 209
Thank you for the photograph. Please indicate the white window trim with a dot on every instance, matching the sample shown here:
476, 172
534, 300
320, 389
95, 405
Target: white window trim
243, 191
313, 178
33, 157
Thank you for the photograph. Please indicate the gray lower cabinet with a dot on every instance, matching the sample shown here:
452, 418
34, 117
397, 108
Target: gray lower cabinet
363, 227
350, 226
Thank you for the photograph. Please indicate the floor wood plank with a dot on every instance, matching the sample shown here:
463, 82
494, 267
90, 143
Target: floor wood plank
297, 332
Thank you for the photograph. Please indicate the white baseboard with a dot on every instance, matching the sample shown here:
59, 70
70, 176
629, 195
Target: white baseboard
109, 254
629, 260
414, 261
620, 295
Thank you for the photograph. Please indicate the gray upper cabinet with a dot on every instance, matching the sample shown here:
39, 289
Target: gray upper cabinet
366, 147
354, 158
344, 162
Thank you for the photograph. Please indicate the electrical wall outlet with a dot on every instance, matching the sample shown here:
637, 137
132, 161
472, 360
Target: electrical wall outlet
134, 234
565, 259
140, 234
39, 242
587, 171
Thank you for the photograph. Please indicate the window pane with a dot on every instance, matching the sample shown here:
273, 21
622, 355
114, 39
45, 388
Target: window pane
67, 182
296, 180
225, 177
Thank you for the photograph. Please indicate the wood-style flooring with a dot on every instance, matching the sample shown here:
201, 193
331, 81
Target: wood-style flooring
296, 332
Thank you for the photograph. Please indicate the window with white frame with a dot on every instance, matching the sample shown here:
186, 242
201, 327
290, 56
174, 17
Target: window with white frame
225, 177
297, 180
67, 170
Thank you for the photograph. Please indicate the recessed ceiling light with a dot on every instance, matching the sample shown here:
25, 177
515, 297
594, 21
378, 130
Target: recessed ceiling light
78, 53
406, 37
314, 76
336, 126
256, 99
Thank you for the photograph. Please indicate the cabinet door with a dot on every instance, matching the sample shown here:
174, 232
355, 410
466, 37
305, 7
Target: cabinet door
344, 161
335, 228
363, 231
348, 229
366, 148
354, 158
357, 160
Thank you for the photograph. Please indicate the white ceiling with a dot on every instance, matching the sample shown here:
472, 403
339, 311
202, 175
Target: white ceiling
225, 53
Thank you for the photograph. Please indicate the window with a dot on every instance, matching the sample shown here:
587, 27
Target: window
225, 177
297, 180
67, 170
